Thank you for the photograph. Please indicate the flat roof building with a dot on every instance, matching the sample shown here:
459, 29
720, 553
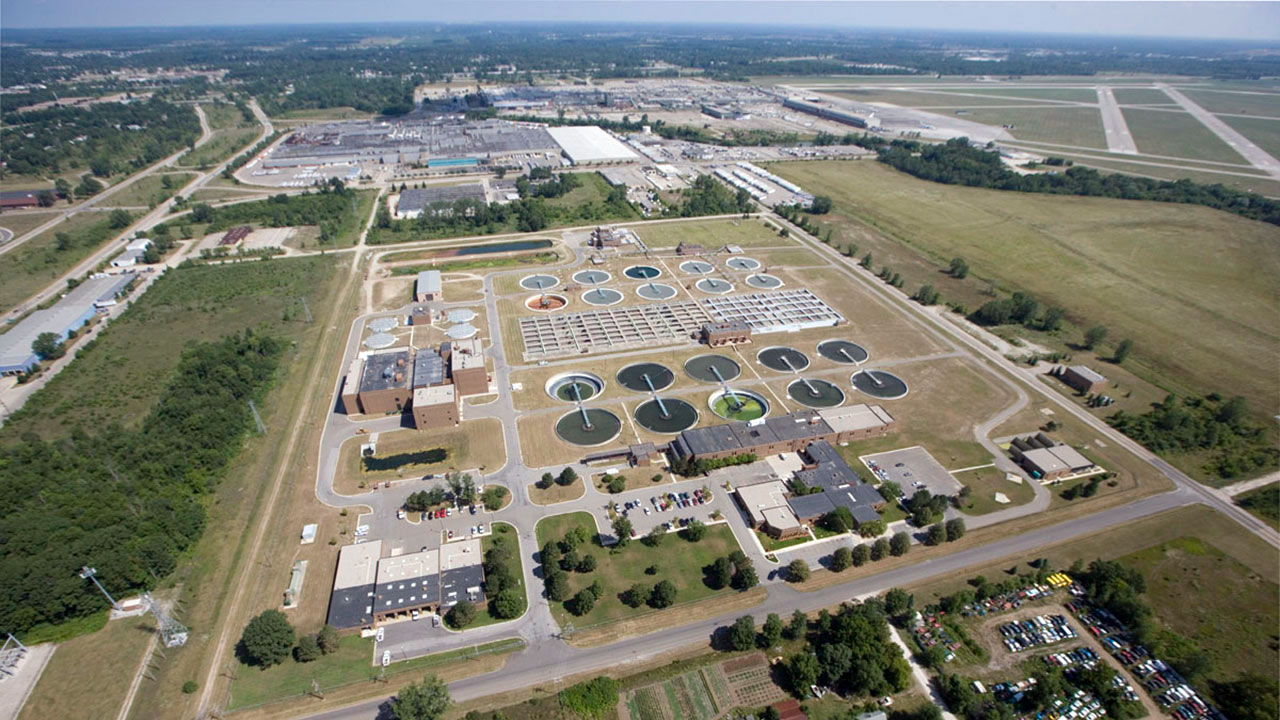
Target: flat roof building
413, 201
384, 382
428, 287
67, 315
785, 433
406, 583
467, 367
590, 145
351, 604
435, 406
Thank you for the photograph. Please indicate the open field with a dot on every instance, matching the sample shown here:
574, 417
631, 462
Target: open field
1142, 96
1263, 502
1260, 184
119, 375
1078, 95
677, 560
37, 262
206, 194
1202, 593
1165, 275
711, 234
1177, 134
924, 98
1238, 103
466, 447
149, 191
352, 663
333, 113
1263, 132
1064, 126
24, 222
66, 690
232, 132
983, 484
557, 493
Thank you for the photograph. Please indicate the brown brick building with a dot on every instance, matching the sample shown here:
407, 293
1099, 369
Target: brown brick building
435, 406
729, 332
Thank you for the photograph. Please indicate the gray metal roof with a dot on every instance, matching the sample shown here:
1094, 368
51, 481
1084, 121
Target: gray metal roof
428, 281
417, 199
428, 368
808, 506
66, 315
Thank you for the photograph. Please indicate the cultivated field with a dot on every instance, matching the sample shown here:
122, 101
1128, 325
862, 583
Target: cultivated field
1191, 286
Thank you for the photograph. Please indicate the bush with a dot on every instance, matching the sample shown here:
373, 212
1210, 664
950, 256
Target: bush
189, 687
586, 564
841, 559
861, 554
663, 595
267, 639
636, 595
567, 476
694, 531
307, 649
590, 699
582, 602
492, 497
798, 571
900, 544
617, 483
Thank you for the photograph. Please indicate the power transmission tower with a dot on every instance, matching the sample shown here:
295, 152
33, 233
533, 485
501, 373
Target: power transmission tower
172, 632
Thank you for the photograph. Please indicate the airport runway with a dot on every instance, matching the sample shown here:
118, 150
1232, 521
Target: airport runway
1119, 140
1256, 156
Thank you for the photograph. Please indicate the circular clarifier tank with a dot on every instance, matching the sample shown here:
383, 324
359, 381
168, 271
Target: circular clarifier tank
545, 302
738, 405
783, 359
588, 427
642, 272
842, 351
815, 393
539, 282
696, 267
656, 291
712, 368
879, 384
667, 416
646, 377
384, 324
591, 277
574, 386
743, 263
602, 296
714, 286
764, 281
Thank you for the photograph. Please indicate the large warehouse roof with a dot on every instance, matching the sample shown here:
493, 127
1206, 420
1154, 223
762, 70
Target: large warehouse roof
584, 145
68, 314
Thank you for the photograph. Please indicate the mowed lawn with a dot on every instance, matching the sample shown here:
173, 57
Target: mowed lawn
65, 690
1193, 287
1177, 134
1066, 125
1236, 102
1202, 593
117, 377
677, 560
1263, 132
711, 234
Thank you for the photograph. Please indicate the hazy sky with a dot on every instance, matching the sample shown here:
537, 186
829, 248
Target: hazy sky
1191, 19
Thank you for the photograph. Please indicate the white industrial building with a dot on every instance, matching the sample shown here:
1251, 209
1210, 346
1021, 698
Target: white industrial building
591, 145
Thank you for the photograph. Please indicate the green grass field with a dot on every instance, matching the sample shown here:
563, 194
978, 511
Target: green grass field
1141, 96
1177, 134
66, 690
148, 191
1234, 102
1263, 502
677, 559
1081, 95
1262, 132
231, 133
983, 484
351, 663
1200, 592
30, 267
1260, 184
118, 376
1192, 286
712, 234
1080, 126
25, 222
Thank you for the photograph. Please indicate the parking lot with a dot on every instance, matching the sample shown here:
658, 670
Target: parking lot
669, 505
912, 469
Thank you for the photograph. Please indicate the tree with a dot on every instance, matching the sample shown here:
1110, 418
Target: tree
101, 166
1122, 351
897, 602
492, 497
959, 268
45, 198
879, 549
1251, 697
955, 529
746, 578
798, 625
582, 602
1052, 318
770, 713
841, 559
567, 476
655, 536
635, 595
508, 604
821, 205
119, 219
546, 481
936, 535
695, 531
202, 213
617, 483
62, 188
62, 242
861, 554
839, 520
557, 582
307, 649
899, 544
1094, 336
425, 700
328, 639
926, 295
622, 530
48, 346
803, 670
742, 634
866, 260
586, 564
462, 614
88, 186
267, 639
663, 595
771, 631
720, 573
798, 571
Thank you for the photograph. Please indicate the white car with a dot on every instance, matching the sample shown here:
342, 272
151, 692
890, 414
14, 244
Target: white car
386, 658
381, 634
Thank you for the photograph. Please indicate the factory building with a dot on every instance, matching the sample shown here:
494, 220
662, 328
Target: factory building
132, 254
1048, 460
413, 201
369, 589
867, 121
787, 433
435, 407
431, 383
589, 145
378, 383
63, 318
451, 142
